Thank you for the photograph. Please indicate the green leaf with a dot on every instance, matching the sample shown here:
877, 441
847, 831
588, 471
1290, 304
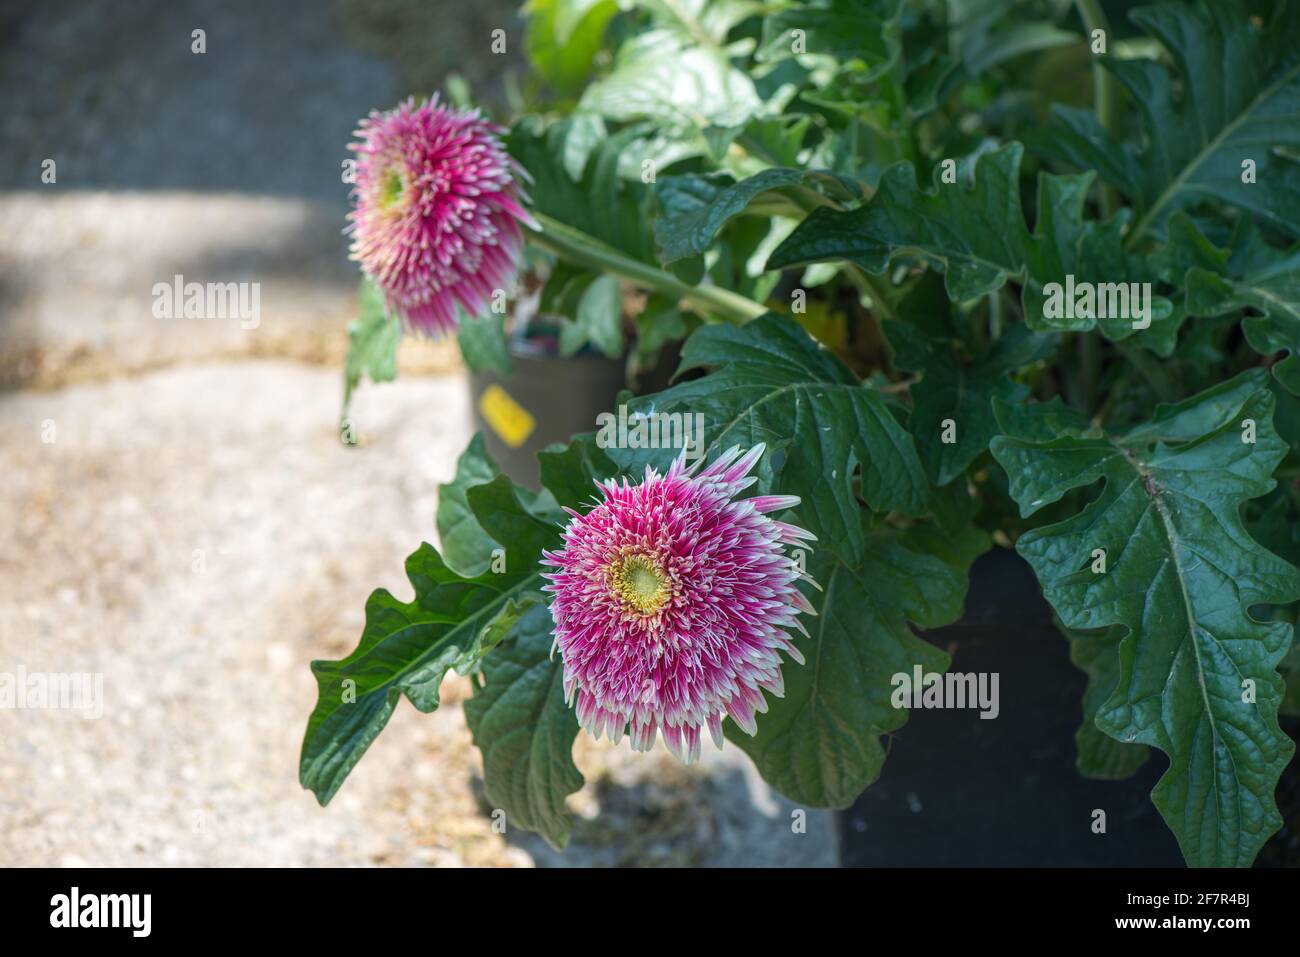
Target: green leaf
525, 730
1096, 654
1186, 249
1182, 574
466, 547
679, 86
569, 473
568, 476
695, 207
1233, 95
503, 625
373, 338
483, 344
978, 237
703, 22
407, 648
774, 383
564, 288
598, 319
819, 745
1039, 421
775, 140
1265, 280
989, 33
600, 203
563, 37
584, 136
961, 389
861, 35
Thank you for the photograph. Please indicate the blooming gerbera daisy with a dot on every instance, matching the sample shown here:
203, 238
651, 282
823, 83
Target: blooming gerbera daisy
670, 602
438, 208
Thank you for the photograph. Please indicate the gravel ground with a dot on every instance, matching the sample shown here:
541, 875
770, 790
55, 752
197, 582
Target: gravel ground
179, 514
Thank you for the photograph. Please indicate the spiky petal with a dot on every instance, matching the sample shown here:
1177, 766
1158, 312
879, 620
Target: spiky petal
437, 214
671, 600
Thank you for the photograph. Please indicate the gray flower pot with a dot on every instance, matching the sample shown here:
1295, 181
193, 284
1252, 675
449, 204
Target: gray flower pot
546, 400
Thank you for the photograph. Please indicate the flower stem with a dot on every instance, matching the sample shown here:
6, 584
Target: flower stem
1104, 97
997, 315
577, 247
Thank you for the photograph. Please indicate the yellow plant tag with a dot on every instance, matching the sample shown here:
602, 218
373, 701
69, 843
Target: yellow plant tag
509, 420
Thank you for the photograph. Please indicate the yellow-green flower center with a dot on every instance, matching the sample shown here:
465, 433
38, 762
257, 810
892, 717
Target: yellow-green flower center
391, 189
639, 583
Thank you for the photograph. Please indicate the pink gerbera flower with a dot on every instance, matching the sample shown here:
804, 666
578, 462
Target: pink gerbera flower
438, 212
670, 602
